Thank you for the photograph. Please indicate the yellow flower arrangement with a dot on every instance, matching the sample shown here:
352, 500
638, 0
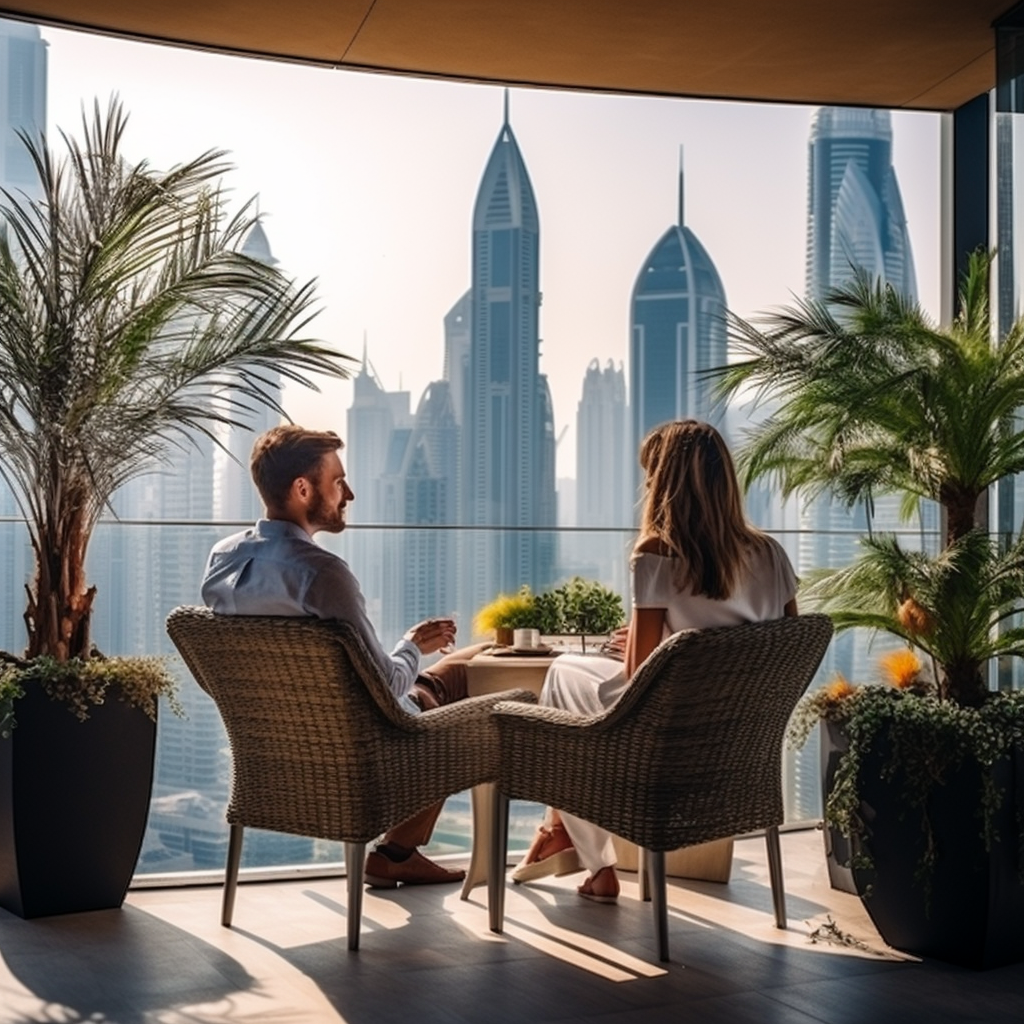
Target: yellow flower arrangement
504, 611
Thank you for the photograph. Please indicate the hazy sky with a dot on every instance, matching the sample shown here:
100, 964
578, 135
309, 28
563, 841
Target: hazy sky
367, 183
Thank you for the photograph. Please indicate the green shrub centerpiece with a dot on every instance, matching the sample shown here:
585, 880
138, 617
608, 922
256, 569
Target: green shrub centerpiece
579, 607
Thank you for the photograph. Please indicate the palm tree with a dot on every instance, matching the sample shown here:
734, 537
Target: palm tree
128, 316
874, 398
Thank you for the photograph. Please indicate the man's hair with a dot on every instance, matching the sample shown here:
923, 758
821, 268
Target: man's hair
283, 454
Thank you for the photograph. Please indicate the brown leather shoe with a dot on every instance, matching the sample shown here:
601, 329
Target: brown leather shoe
381, 872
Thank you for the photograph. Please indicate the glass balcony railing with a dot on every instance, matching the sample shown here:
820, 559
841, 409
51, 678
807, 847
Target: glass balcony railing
143, 569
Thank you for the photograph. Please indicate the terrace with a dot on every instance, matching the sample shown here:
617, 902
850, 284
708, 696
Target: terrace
164, 957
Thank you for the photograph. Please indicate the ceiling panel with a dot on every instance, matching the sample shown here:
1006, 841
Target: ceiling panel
929, 54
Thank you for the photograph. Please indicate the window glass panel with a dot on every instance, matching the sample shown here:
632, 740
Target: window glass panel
463, 411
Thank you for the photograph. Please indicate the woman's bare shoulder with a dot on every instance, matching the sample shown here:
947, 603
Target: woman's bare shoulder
652, 546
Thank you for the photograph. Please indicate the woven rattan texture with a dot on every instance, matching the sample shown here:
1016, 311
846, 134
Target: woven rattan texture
693, 750
319, 745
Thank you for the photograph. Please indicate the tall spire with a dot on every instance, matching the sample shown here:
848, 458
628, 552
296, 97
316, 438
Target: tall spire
364, 350
681, 191
505, 125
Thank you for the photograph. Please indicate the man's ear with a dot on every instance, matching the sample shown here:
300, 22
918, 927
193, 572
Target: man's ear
301, 489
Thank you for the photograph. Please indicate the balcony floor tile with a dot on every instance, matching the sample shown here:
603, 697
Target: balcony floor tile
428, 957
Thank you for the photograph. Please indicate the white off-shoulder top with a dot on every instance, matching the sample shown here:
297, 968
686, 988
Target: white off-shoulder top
763, 592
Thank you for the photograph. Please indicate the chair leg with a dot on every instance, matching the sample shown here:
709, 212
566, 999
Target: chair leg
498, 862
642, 874
771, 837
355, 858
231, 873
659, 898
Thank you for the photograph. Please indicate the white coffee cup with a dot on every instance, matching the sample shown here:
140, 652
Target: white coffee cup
526, 639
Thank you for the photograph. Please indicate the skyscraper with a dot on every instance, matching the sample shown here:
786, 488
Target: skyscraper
508, 429
855, 219
22, 106
677, 330
160, 564
855, 212
374, 418
419, 489
235, 498
604, 476
457, 341
22, 103
603, 455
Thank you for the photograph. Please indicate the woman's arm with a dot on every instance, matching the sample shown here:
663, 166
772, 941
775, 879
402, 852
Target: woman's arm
790, 608
645, 632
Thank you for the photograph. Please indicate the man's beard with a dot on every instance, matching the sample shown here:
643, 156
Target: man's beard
323, 517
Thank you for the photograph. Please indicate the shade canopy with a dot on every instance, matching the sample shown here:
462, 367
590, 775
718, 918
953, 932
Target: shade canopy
918, 54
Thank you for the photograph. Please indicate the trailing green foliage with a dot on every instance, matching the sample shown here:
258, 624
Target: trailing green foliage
82, 684
925, 741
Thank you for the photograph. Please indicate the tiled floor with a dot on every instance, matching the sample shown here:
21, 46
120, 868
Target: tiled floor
428, 957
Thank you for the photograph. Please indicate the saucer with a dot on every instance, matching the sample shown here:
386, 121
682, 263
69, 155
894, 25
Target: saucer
521, 652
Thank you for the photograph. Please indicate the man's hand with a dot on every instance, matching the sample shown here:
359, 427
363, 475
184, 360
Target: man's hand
432, 635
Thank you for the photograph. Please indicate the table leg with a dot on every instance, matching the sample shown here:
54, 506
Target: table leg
483, 797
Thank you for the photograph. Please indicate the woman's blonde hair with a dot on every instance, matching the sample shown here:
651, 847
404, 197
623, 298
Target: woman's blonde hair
693, 507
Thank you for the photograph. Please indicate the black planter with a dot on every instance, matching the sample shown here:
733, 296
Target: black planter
975, 914
832, 746
74, 797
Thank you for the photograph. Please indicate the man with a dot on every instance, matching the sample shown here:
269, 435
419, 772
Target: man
276, 568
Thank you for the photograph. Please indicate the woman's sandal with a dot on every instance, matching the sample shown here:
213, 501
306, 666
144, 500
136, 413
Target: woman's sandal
601, 887
561, 858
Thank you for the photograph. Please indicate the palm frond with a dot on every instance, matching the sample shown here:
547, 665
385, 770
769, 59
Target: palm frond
130, 320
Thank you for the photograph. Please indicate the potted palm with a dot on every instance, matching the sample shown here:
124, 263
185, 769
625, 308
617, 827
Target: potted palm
876, 399
126, 311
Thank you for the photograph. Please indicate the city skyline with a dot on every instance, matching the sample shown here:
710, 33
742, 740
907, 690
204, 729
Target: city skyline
605, 213
331, 156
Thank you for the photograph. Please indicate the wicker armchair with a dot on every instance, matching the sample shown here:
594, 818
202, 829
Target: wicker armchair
691, 753
320, 746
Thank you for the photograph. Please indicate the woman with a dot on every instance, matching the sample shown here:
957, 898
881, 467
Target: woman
697, 563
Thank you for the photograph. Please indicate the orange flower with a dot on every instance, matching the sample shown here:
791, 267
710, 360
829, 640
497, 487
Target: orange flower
901, 668
839, 688
915, 618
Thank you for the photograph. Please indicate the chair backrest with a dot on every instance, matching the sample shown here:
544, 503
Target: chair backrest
704, 720
307, 714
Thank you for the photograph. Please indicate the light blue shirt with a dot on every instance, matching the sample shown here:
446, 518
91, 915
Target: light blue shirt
275, 568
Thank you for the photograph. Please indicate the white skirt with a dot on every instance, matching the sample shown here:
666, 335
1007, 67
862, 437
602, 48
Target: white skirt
586, 684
